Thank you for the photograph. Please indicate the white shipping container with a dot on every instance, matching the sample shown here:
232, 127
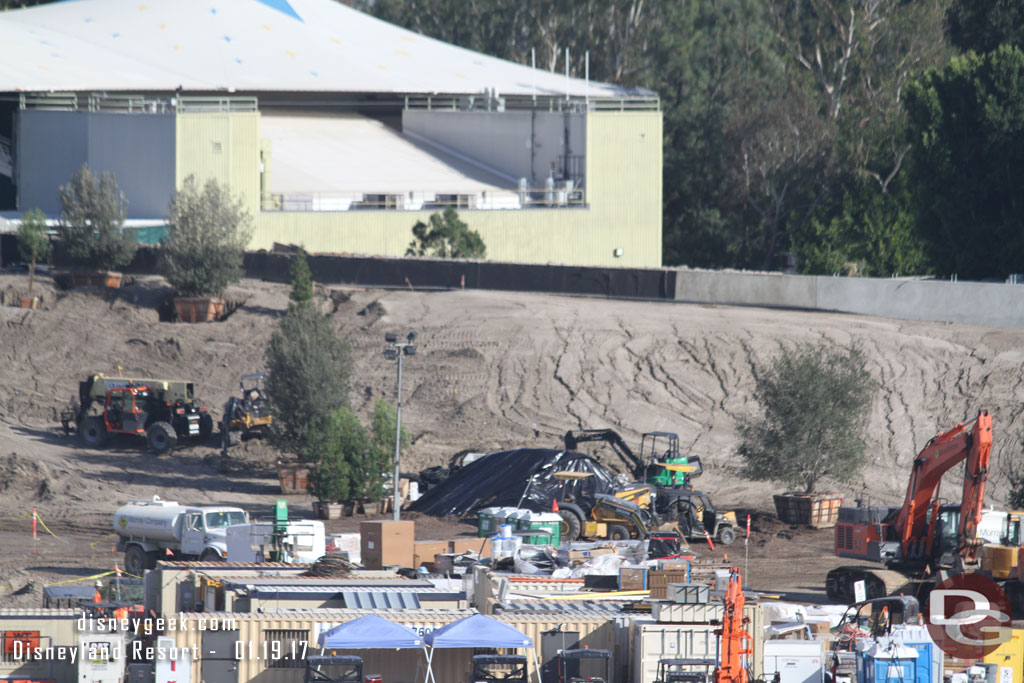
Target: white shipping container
796, 661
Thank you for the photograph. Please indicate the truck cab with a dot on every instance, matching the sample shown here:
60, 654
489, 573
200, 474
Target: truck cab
205, 530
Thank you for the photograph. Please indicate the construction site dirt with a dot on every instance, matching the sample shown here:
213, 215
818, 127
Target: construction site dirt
494, 371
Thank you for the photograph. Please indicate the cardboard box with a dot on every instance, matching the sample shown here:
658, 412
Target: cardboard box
477, 545
424, 552
632, 579
384, 544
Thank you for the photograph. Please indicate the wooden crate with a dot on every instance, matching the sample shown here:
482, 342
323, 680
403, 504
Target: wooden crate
819, 510
199, 309
659, 579
294, 477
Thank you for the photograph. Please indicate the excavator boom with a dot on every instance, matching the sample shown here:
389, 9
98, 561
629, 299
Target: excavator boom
971, 442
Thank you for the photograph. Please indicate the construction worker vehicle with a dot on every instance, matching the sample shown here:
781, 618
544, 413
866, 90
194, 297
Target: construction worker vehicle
923, 537
688, 513
246, 415
584, 665
152, 529
163, 411
659, 462
679, 670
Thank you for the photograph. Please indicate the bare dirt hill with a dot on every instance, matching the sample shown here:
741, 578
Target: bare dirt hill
494, 370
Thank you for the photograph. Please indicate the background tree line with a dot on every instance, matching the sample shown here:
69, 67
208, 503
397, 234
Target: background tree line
881, 132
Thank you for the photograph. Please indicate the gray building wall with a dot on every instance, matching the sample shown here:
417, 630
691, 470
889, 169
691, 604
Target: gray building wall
521, 144
138, 148
974, 303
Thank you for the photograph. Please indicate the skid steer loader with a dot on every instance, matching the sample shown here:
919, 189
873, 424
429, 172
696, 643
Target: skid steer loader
248, 415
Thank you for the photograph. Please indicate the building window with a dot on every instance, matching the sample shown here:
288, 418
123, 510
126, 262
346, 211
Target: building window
285, 649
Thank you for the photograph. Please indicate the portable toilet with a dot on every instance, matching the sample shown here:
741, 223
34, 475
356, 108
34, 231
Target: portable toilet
501, 516
541, 521
930, 657
511, 517
892, 664
485, 524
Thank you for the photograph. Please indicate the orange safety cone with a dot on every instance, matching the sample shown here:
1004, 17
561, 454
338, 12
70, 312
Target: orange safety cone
708, 537
554, 505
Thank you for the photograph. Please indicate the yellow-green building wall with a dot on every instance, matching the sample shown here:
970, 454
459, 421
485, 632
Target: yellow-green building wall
622, 212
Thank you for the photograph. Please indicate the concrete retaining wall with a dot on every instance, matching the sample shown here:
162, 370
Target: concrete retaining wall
973, 303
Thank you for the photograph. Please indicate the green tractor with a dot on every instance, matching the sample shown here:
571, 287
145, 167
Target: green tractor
659, 463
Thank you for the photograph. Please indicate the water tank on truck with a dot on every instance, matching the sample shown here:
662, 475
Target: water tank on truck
148, 529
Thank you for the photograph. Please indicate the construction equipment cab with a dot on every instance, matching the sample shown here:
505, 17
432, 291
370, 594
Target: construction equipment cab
163, 411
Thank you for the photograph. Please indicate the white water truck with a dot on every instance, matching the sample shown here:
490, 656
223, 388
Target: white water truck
149, 528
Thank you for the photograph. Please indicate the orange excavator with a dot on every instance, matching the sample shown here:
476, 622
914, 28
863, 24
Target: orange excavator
923, 538
734, 641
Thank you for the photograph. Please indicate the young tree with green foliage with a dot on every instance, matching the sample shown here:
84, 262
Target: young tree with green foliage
302, 278
206, 239
308, 370
92, 215
33, 241
446, 236
381, 453
345, 446
814, 400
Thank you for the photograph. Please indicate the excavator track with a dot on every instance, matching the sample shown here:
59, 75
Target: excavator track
879, 583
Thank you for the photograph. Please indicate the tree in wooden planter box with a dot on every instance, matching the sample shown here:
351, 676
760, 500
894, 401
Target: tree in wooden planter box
814, 401
208, 231
91, 226
33, 241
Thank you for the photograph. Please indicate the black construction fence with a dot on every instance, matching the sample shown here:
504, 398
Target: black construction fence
435, 274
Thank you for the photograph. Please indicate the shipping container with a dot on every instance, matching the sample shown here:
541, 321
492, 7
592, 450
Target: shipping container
687, 631
256, 638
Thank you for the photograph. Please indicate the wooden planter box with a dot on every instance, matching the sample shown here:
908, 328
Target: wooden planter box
95, 278
294, 477
199, 309
819, 510
328, 510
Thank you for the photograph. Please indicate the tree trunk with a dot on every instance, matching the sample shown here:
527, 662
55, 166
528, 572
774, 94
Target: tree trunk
31, 275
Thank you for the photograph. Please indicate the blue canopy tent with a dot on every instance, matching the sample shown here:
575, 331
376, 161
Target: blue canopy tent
371, 633
478, 631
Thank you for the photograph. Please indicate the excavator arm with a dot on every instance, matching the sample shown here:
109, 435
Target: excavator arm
971, 442
574, 438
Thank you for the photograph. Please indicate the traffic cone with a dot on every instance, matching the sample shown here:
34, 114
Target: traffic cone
554, 505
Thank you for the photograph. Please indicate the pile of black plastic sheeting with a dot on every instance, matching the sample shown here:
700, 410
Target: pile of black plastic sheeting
518, 478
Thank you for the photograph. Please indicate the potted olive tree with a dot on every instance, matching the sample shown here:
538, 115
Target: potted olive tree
208, 231
91, 228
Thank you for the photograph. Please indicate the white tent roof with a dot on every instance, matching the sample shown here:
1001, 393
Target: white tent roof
247, 45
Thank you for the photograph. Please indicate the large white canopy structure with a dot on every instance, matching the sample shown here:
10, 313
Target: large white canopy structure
248, 46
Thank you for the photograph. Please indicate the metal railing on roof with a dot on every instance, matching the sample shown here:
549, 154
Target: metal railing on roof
137, 104
551, 103
557, 197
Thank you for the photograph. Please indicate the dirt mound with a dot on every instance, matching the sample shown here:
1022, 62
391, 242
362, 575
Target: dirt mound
493, 371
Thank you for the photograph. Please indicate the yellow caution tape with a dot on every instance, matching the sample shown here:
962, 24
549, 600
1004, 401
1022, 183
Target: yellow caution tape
592, 596
91, 578
43, 524
93, 544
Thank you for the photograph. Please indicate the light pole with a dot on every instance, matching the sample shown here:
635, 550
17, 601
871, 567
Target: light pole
396, 351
